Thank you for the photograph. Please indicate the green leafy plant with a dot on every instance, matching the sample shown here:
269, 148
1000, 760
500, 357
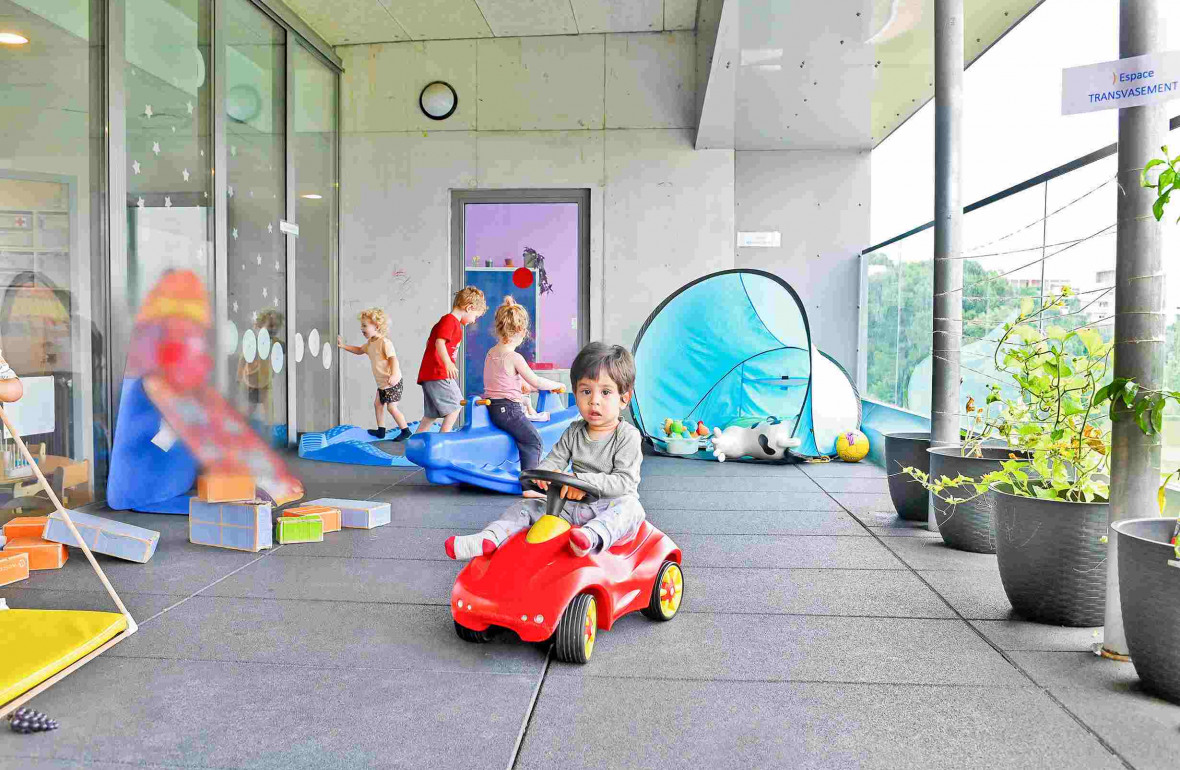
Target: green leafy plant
1166, 183
1063, 440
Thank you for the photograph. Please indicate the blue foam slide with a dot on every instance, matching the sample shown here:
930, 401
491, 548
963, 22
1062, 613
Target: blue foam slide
353, 446
481, 454
143, 477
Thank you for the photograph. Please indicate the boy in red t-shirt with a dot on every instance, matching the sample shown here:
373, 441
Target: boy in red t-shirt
438, 375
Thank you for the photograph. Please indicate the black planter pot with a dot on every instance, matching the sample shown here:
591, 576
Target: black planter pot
1148, 589
966, 526
1052, 558
907, 450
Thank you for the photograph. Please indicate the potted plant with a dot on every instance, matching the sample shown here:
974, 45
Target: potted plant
1148, 554
907, 450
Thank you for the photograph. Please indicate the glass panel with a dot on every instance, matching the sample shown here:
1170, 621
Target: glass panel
51, 251
256, 116
169, 156
498, 240
317, 388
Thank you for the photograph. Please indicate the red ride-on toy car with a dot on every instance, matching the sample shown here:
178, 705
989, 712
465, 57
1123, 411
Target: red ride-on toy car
534, 585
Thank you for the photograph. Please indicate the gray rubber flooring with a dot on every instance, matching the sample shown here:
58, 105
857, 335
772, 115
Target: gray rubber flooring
818, 632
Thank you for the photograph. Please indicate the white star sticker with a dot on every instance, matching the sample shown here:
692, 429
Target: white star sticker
190, 107
254, 316
148, 110
264, 291
231, 191
270, 228
251, 193
233, 150
175, 82
167, 202
235, 233
186, 174
174, 129
277, 265
260, 259
235, 306
243, 265
202, 153
135, 166
156, 147
139, 202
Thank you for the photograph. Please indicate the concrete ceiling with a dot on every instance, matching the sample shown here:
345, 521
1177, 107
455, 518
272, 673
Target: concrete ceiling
829, 75
343, 22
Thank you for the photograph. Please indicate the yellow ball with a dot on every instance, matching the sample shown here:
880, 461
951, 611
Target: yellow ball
852, 446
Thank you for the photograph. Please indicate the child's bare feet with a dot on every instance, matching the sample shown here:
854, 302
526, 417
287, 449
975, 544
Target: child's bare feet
466, 547
583, 541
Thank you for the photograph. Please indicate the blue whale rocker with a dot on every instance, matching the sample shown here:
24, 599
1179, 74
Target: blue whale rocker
481, 454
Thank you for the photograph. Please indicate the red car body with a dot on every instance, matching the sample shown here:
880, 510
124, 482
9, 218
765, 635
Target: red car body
525, 586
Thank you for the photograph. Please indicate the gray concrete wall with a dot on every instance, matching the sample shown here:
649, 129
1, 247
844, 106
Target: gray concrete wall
612, 113
819, 201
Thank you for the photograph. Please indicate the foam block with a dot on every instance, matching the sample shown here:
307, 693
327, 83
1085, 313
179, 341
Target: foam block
13, 567
42, 553
330, 516
239, 526
299, 529
222, 488
114, 538
25, 526
357, 514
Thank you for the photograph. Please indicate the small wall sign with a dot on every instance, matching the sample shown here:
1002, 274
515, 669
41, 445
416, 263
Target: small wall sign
1153, 78
760, 240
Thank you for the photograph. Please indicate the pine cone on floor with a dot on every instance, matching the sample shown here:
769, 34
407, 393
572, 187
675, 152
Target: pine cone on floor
26, 721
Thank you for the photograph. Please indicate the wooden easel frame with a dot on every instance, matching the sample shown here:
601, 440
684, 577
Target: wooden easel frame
132, 626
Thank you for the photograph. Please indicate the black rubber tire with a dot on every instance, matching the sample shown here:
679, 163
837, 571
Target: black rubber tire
567, 639
467, 635
653, 609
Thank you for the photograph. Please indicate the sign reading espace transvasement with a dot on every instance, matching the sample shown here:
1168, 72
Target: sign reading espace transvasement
1149, 79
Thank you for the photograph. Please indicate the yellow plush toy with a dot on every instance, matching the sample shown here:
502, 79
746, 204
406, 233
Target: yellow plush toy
852, 446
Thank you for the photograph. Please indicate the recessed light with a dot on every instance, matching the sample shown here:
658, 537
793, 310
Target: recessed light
12, 38
312, 196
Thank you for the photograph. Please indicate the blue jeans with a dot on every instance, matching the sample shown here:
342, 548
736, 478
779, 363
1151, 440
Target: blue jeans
509, 417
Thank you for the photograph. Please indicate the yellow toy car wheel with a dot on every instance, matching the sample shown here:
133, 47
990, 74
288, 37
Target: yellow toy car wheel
667, 593
574, 639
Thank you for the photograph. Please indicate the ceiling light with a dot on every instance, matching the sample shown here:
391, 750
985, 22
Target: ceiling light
12, 38
312, 196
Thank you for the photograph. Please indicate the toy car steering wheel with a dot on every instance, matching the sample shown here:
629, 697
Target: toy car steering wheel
553, 498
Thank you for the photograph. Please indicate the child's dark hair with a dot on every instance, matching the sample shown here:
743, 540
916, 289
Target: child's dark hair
598, 357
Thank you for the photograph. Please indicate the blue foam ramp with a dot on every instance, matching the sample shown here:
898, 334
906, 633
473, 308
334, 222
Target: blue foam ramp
353, 446
143, 477
481, 454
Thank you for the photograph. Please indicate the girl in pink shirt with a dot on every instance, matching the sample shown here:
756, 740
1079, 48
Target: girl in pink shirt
505, 374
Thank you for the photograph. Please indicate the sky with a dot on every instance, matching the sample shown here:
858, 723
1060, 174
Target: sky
1013, 130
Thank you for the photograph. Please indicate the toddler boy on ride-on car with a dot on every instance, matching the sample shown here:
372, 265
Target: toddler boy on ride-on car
604, 452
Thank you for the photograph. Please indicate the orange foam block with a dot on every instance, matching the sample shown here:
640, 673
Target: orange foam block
42, 553
222, 488
13, 567
25, 526
330, 516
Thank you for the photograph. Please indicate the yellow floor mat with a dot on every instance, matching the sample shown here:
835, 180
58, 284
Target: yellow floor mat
37, 644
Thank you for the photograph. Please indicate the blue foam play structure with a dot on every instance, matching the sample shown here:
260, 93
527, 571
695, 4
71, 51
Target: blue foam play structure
143, 477
353, 446
481, 454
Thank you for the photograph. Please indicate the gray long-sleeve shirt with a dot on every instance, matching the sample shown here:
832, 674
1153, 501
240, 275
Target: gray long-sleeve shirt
611, 464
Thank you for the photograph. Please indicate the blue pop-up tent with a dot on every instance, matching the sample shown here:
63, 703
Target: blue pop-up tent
736, 346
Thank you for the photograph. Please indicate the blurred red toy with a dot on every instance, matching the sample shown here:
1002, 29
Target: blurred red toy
170, 351
534, 585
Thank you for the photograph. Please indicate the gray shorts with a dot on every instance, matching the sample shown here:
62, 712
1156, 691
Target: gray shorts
440, 397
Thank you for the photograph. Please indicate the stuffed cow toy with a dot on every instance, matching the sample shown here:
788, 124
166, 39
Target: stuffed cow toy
765, 440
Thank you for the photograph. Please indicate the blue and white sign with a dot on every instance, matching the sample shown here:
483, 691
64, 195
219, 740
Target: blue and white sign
1153, 78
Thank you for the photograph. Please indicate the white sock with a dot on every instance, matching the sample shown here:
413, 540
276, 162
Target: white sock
467, 547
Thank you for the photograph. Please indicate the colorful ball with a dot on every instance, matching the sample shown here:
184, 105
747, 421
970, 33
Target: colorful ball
852, 446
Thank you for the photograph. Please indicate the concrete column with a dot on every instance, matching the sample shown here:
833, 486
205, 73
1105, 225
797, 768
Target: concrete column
948, 222
1139, 318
